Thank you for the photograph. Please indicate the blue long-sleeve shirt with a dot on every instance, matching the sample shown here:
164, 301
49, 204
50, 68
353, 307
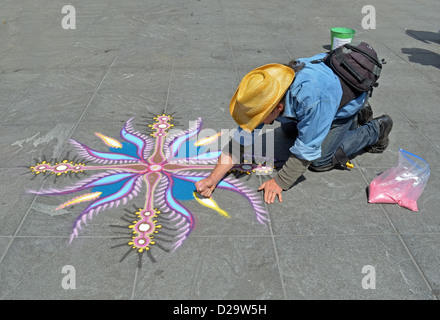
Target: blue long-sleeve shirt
313, 101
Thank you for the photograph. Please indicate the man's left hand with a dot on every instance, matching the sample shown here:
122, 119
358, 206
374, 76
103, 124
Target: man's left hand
271, 191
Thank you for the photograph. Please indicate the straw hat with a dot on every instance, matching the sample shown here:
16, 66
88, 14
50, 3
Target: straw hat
259, 93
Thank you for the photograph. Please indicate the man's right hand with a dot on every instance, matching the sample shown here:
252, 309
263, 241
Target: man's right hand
206, 186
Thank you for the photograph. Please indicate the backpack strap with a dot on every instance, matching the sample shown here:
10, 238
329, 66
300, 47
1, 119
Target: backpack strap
364, 53
341, 59
348, 93
317, 61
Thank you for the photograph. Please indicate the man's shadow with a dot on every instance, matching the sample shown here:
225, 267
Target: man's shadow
423, 57
275, 150
424, 36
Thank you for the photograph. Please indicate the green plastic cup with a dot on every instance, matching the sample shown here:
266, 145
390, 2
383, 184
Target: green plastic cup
341, 36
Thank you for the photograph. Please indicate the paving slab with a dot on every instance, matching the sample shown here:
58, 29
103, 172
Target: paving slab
35, 268
15, 203
23, 144
424, 249
317, 267
216, 268
138, 59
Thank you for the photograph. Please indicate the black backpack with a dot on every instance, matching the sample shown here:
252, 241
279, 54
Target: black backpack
357, 66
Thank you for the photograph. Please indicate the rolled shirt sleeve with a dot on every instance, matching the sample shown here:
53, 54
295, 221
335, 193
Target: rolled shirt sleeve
312, 130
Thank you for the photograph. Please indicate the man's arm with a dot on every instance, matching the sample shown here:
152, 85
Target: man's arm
291, 171
231, 155
206, 186
286, 177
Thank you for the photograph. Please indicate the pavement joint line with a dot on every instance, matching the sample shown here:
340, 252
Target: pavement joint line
93, 96
18, 98
133, 289
169, 86
399, 26
84, 111
44, 181
397, 23
408, 63
369, 33
284, 46
416, 69
408, 251
402, 241
233, 57
199, 264
17, 230
415, 126
232, 50
274, 246
241, 235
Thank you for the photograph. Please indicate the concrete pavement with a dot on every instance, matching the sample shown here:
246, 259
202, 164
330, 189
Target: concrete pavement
130, 59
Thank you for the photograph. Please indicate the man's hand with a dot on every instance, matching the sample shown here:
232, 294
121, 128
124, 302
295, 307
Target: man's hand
206, 186
271, 191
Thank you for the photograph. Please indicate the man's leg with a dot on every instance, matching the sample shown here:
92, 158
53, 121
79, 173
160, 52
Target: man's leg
357, 140
331, 143
348, 141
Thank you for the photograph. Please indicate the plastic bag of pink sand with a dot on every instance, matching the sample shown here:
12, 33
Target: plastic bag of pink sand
402, 184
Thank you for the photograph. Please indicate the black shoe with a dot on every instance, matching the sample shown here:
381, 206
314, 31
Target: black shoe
324, 168
385, 124
365, 114
339, 160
